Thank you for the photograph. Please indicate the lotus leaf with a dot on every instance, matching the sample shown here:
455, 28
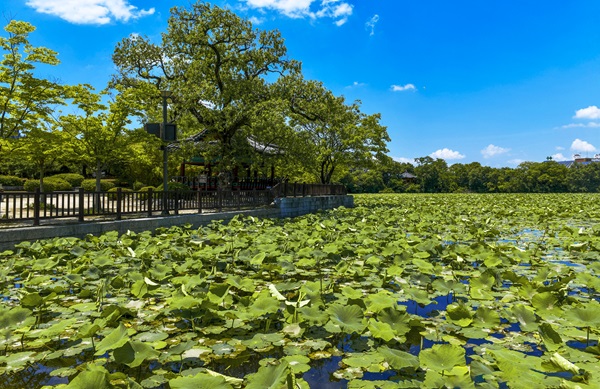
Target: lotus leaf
345, 318
269, 377
442, 357
201, 380
133, 353
398, 359
96, 377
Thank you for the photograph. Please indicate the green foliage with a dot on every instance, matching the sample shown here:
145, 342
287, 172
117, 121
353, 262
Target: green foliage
437, 290
144, 196
89, 185
112, 193
50, 185
72, 178
234, 63
11, 181
175, 186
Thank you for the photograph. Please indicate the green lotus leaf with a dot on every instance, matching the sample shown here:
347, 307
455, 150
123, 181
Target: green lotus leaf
518, 367
95, 377
245, 284
550, 337
525, 316
559, 363
16, 361
262, 341
264, 304
14, 317
459, 314
313, 315
258, 259
222, 349
584, 316
492, 260
352, 293
457, 377
32, 300
363, 360
133, 353
380, 301
381, 330
442, 357
117, 338
298, 363
423, 266
346, 318
154, 381
398, 359
139, 289
183, 302
420, 296
546, 304
480, 287
399, 321
201, 380
269, 377
486, 317
363, 384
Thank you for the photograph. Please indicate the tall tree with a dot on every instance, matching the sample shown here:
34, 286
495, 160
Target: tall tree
218, 68
99, 134
26, 101
335, 132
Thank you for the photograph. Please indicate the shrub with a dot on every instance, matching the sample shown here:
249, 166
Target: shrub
144, 196
112, 193
175, 186
11, 181
50, 185
386, 190
138, 185
72, 178
90, 185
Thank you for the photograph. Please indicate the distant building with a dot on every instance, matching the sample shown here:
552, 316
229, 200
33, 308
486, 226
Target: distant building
578, 159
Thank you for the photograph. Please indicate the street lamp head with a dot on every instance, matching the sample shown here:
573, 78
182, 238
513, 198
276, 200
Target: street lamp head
166, 93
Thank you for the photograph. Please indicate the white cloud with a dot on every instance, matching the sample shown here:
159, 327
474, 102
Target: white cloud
558, 157
492, 151
356, 84
404, 160
256, 21
591, 112
446, 154
581, 125
401, 88
516, 162
583, 146
370, 24
334, 9
559, 148
89, 11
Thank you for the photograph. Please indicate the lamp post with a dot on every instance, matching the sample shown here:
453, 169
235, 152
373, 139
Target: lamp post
163, 136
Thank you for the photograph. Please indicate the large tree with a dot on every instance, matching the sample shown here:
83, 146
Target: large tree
99, 132
335, 132
26, 101
218, 68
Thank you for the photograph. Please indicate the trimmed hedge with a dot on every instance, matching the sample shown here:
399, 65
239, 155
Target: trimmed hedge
89, 185
50, 185
144, 196
11, 181
112, 193
72, 178
175, 186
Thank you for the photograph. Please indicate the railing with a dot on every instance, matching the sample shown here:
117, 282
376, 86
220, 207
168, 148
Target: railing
211, 183
287, 189
79, 205
21, 206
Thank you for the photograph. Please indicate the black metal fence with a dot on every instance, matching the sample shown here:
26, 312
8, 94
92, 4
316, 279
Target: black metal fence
36, 206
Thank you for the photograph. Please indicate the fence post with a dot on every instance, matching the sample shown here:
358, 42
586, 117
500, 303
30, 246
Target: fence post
81, 205
176, 206
119, 203
36, 207
199, 196
294, 189
284, 189
150, 200
219, 199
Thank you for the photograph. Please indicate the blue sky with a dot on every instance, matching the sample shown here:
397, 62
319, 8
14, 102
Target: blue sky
498, 82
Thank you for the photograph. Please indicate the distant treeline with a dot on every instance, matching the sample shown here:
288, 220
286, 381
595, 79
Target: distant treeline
435, 176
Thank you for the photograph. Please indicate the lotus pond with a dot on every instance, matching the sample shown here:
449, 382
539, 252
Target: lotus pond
403, 291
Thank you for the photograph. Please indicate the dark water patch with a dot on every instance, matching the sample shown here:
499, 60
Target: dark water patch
321, 374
